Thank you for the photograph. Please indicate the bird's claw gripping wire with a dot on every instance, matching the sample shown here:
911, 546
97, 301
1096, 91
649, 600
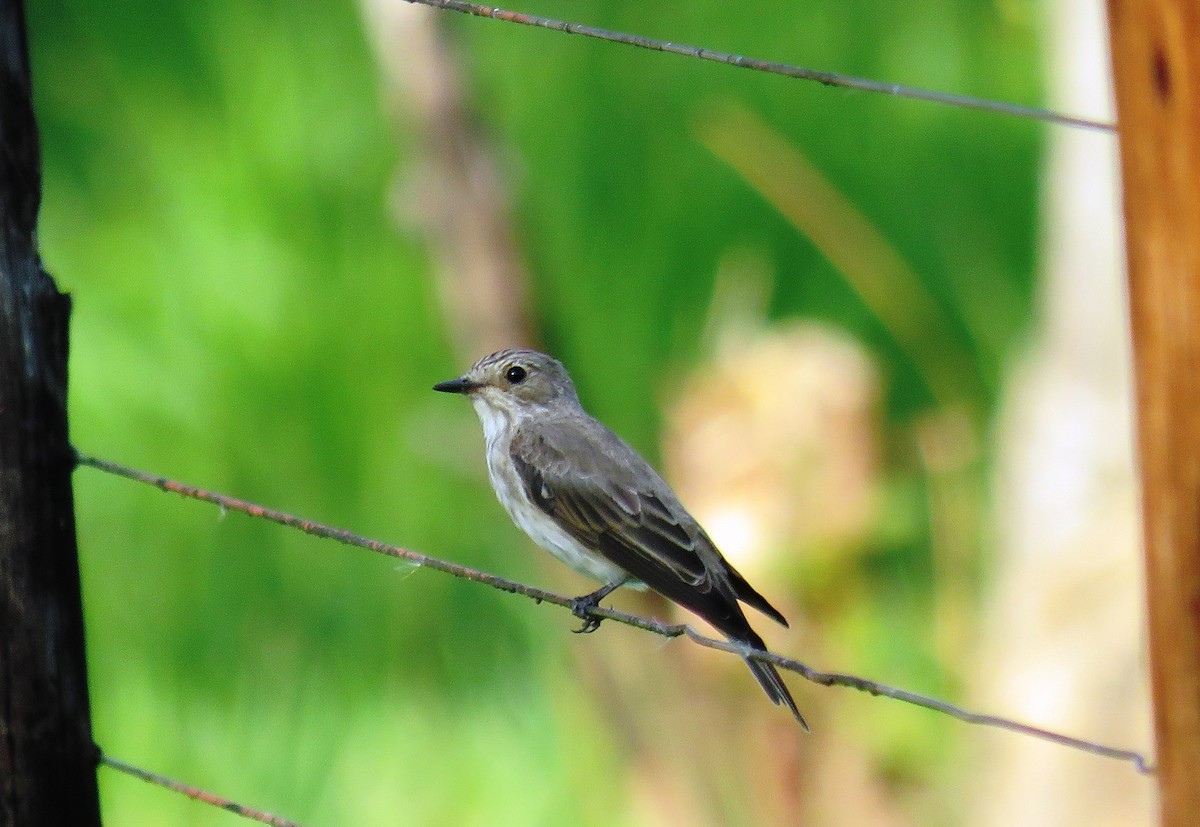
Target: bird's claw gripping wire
582, 607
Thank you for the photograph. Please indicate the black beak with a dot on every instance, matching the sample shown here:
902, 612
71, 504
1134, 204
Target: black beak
458, 385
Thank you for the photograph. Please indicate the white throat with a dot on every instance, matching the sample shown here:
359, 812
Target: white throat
498, 423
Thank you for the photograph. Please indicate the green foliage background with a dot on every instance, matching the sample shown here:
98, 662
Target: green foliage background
249, 318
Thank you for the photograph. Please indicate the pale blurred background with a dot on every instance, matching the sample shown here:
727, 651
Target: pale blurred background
879, 347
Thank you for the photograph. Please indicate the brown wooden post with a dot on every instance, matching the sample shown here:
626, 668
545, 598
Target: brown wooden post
47, 758
1156, 64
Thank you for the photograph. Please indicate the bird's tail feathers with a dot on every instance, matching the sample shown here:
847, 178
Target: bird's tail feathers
776, 689
765, 673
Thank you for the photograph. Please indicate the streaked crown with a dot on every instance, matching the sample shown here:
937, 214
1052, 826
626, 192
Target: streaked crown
520, 375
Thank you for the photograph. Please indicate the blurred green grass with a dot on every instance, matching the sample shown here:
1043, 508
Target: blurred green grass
248, 318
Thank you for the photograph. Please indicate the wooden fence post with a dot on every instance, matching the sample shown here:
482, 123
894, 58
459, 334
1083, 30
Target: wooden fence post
1156, 65
47, 758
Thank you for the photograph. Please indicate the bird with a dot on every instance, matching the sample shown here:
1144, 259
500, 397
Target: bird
582, 493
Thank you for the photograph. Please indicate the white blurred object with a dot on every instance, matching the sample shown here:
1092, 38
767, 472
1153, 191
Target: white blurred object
773, 444
1063, 634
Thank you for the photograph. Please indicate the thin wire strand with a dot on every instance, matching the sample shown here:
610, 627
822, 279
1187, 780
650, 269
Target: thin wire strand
197, 794
773, 67
668, 630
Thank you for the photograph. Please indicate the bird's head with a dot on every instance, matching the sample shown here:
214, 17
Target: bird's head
514, 381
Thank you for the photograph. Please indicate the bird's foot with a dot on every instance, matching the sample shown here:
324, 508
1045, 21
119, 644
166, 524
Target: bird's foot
582, 608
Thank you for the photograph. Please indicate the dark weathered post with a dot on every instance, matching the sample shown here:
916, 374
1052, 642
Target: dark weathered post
47, 758
1156, 64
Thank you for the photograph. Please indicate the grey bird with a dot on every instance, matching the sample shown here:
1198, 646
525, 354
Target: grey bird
579, 491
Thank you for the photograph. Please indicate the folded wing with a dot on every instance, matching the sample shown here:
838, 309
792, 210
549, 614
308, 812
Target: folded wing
603, 494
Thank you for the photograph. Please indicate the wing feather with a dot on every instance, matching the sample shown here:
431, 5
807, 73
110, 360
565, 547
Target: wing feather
609, 499
603, 508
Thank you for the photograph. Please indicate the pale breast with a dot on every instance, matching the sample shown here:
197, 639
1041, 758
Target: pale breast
540, 527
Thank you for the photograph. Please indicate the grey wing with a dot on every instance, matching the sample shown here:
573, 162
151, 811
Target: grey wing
595, 498
608, 498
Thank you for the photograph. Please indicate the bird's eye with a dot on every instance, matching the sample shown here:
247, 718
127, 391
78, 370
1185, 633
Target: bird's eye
515, 375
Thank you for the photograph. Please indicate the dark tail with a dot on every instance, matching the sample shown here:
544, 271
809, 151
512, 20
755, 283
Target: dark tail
776, 689
766, 674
